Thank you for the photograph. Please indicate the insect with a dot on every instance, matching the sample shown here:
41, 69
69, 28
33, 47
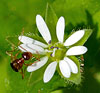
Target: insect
18, 63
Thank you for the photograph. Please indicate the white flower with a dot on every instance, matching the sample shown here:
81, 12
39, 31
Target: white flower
58, 52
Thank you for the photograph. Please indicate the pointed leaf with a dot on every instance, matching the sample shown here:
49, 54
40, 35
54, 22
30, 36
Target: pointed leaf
51, 21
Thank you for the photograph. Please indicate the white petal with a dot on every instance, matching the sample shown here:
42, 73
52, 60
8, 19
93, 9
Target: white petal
27, 40
40, 44
49, 72
37, 65
72, 65
25, 48
64, 68
60, 29
36, 48
43, 29
74, 38
76, 50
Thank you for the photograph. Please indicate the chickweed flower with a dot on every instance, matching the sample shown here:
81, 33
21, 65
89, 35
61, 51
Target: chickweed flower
58, 52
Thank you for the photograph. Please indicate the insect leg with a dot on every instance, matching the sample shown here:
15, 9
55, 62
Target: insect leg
22, 33
28, 64
10, 53
22, 73
36, 57
31, 63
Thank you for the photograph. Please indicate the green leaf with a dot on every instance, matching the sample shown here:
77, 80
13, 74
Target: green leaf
51, 21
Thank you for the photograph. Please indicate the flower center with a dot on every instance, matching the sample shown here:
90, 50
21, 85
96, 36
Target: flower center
56, 52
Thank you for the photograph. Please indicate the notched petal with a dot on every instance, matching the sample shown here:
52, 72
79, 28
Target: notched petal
36, 48
43, 29
76, 50
60, 29
25, 39
38, 64
74, 38
64, 68
72, 65
28, 40
25, 48
49, 72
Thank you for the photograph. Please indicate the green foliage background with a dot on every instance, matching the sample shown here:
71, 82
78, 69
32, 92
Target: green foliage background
79, 14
